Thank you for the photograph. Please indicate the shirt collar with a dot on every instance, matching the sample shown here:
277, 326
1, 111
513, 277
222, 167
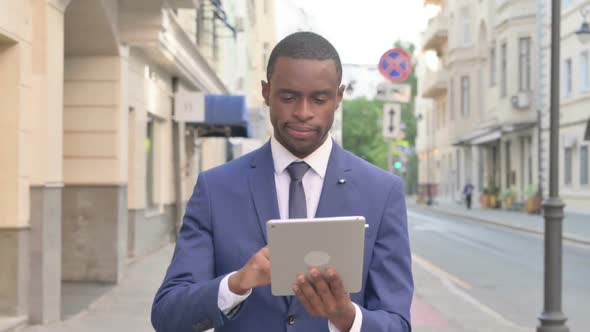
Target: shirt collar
317, 160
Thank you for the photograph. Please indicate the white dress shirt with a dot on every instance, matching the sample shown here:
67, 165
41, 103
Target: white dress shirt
313, 182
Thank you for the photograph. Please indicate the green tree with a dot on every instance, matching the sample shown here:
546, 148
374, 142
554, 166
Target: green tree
362, 130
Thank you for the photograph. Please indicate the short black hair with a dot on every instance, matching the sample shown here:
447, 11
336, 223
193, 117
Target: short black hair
304, 45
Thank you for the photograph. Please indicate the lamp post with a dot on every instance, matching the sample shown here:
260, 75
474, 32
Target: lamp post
552, 318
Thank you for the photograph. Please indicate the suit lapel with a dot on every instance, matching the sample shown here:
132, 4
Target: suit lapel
262, 187
264, 193
333, 199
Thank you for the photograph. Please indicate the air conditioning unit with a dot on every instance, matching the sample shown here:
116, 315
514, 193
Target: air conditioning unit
521, 100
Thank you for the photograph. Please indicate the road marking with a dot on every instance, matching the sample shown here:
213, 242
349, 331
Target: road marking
482, 307
454, 285
437, 271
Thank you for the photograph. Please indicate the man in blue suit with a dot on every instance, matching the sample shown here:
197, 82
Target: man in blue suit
219, 276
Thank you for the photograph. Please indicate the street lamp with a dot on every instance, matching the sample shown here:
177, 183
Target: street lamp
552, 318
583, 33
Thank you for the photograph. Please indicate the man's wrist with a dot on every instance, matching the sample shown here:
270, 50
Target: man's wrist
235, 284
344, 320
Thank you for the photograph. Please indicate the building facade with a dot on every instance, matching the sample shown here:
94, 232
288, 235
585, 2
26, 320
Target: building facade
483, 119
102, 114
574, 126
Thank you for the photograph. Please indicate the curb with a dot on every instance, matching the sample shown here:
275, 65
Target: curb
566, 236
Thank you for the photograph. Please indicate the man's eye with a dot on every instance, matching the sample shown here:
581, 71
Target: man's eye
287, 99
320, 101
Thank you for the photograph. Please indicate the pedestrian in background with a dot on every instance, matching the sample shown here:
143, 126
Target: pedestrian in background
219, 276
468, 193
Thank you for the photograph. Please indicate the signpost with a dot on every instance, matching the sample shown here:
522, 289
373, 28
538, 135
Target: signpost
396, 66
394, 92
392, 114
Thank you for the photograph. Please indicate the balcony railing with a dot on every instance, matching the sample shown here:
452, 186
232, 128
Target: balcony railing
435, 83
437, 33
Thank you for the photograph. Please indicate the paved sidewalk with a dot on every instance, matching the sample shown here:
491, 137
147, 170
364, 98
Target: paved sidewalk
576, 226
440, 305
126, 307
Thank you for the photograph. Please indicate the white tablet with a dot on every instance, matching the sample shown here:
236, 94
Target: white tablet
295, 245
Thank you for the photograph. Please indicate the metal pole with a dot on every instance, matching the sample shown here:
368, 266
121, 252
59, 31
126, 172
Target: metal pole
390, 155
552, 318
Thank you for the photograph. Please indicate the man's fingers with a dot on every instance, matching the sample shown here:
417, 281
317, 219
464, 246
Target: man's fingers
336, 285
301, 297
265, 252
311, 296
323, 290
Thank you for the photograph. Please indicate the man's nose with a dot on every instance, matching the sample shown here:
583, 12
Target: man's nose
304, 111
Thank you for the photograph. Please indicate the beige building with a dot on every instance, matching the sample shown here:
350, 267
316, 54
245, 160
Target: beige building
574, 135
101, 113
481, 125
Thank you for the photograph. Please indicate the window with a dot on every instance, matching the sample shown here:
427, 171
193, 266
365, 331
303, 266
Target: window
530, 159
252, 12
480, 166
465, 96
568, 156
200, 25
266, 6
584, 71
565, 4
567, 78
149, 167
503, 69
458, 169
493, 66
584, 165
465, 27
452, 99
524, 64
508, 165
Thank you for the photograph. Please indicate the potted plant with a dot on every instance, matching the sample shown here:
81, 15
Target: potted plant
507, 198
485, 198
493, 192
533, 199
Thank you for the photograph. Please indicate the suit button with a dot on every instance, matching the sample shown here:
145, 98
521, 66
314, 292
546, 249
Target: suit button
291, 319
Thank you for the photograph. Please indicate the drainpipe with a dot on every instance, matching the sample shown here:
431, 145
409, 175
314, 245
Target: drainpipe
176, 168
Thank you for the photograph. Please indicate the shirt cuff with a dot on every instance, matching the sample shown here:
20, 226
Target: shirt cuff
356, 325
226, 299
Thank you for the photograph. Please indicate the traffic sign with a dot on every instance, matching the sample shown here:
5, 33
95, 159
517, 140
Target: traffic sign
392, 114
394, 92
395, 65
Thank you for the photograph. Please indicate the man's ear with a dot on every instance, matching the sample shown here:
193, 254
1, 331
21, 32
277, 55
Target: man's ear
341, 92
266, 92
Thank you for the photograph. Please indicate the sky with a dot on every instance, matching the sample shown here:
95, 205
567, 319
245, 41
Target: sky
361, 31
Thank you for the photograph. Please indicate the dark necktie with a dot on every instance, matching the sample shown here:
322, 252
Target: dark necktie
297, 205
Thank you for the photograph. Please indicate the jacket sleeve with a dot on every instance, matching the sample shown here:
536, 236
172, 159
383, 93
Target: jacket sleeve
390, 286
187, 299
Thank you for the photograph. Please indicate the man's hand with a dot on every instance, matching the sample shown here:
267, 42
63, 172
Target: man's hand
325, 296
255, 273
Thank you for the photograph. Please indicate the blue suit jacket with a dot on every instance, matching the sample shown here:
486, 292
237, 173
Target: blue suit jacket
224, 225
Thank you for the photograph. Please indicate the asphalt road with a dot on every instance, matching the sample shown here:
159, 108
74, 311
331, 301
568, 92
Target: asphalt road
501, 268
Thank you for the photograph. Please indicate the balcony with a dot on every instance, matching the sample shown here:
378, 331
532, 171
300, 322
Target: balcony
437, 33
435, 83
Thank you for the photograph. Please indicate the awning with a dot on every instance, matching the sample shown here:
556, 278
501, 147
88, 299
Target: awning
228, 112
587, 131
487, 138
466, 139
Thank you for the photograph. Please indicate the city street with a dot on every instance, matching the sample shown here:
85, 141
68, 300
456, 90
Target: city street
500, 267
469, 276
